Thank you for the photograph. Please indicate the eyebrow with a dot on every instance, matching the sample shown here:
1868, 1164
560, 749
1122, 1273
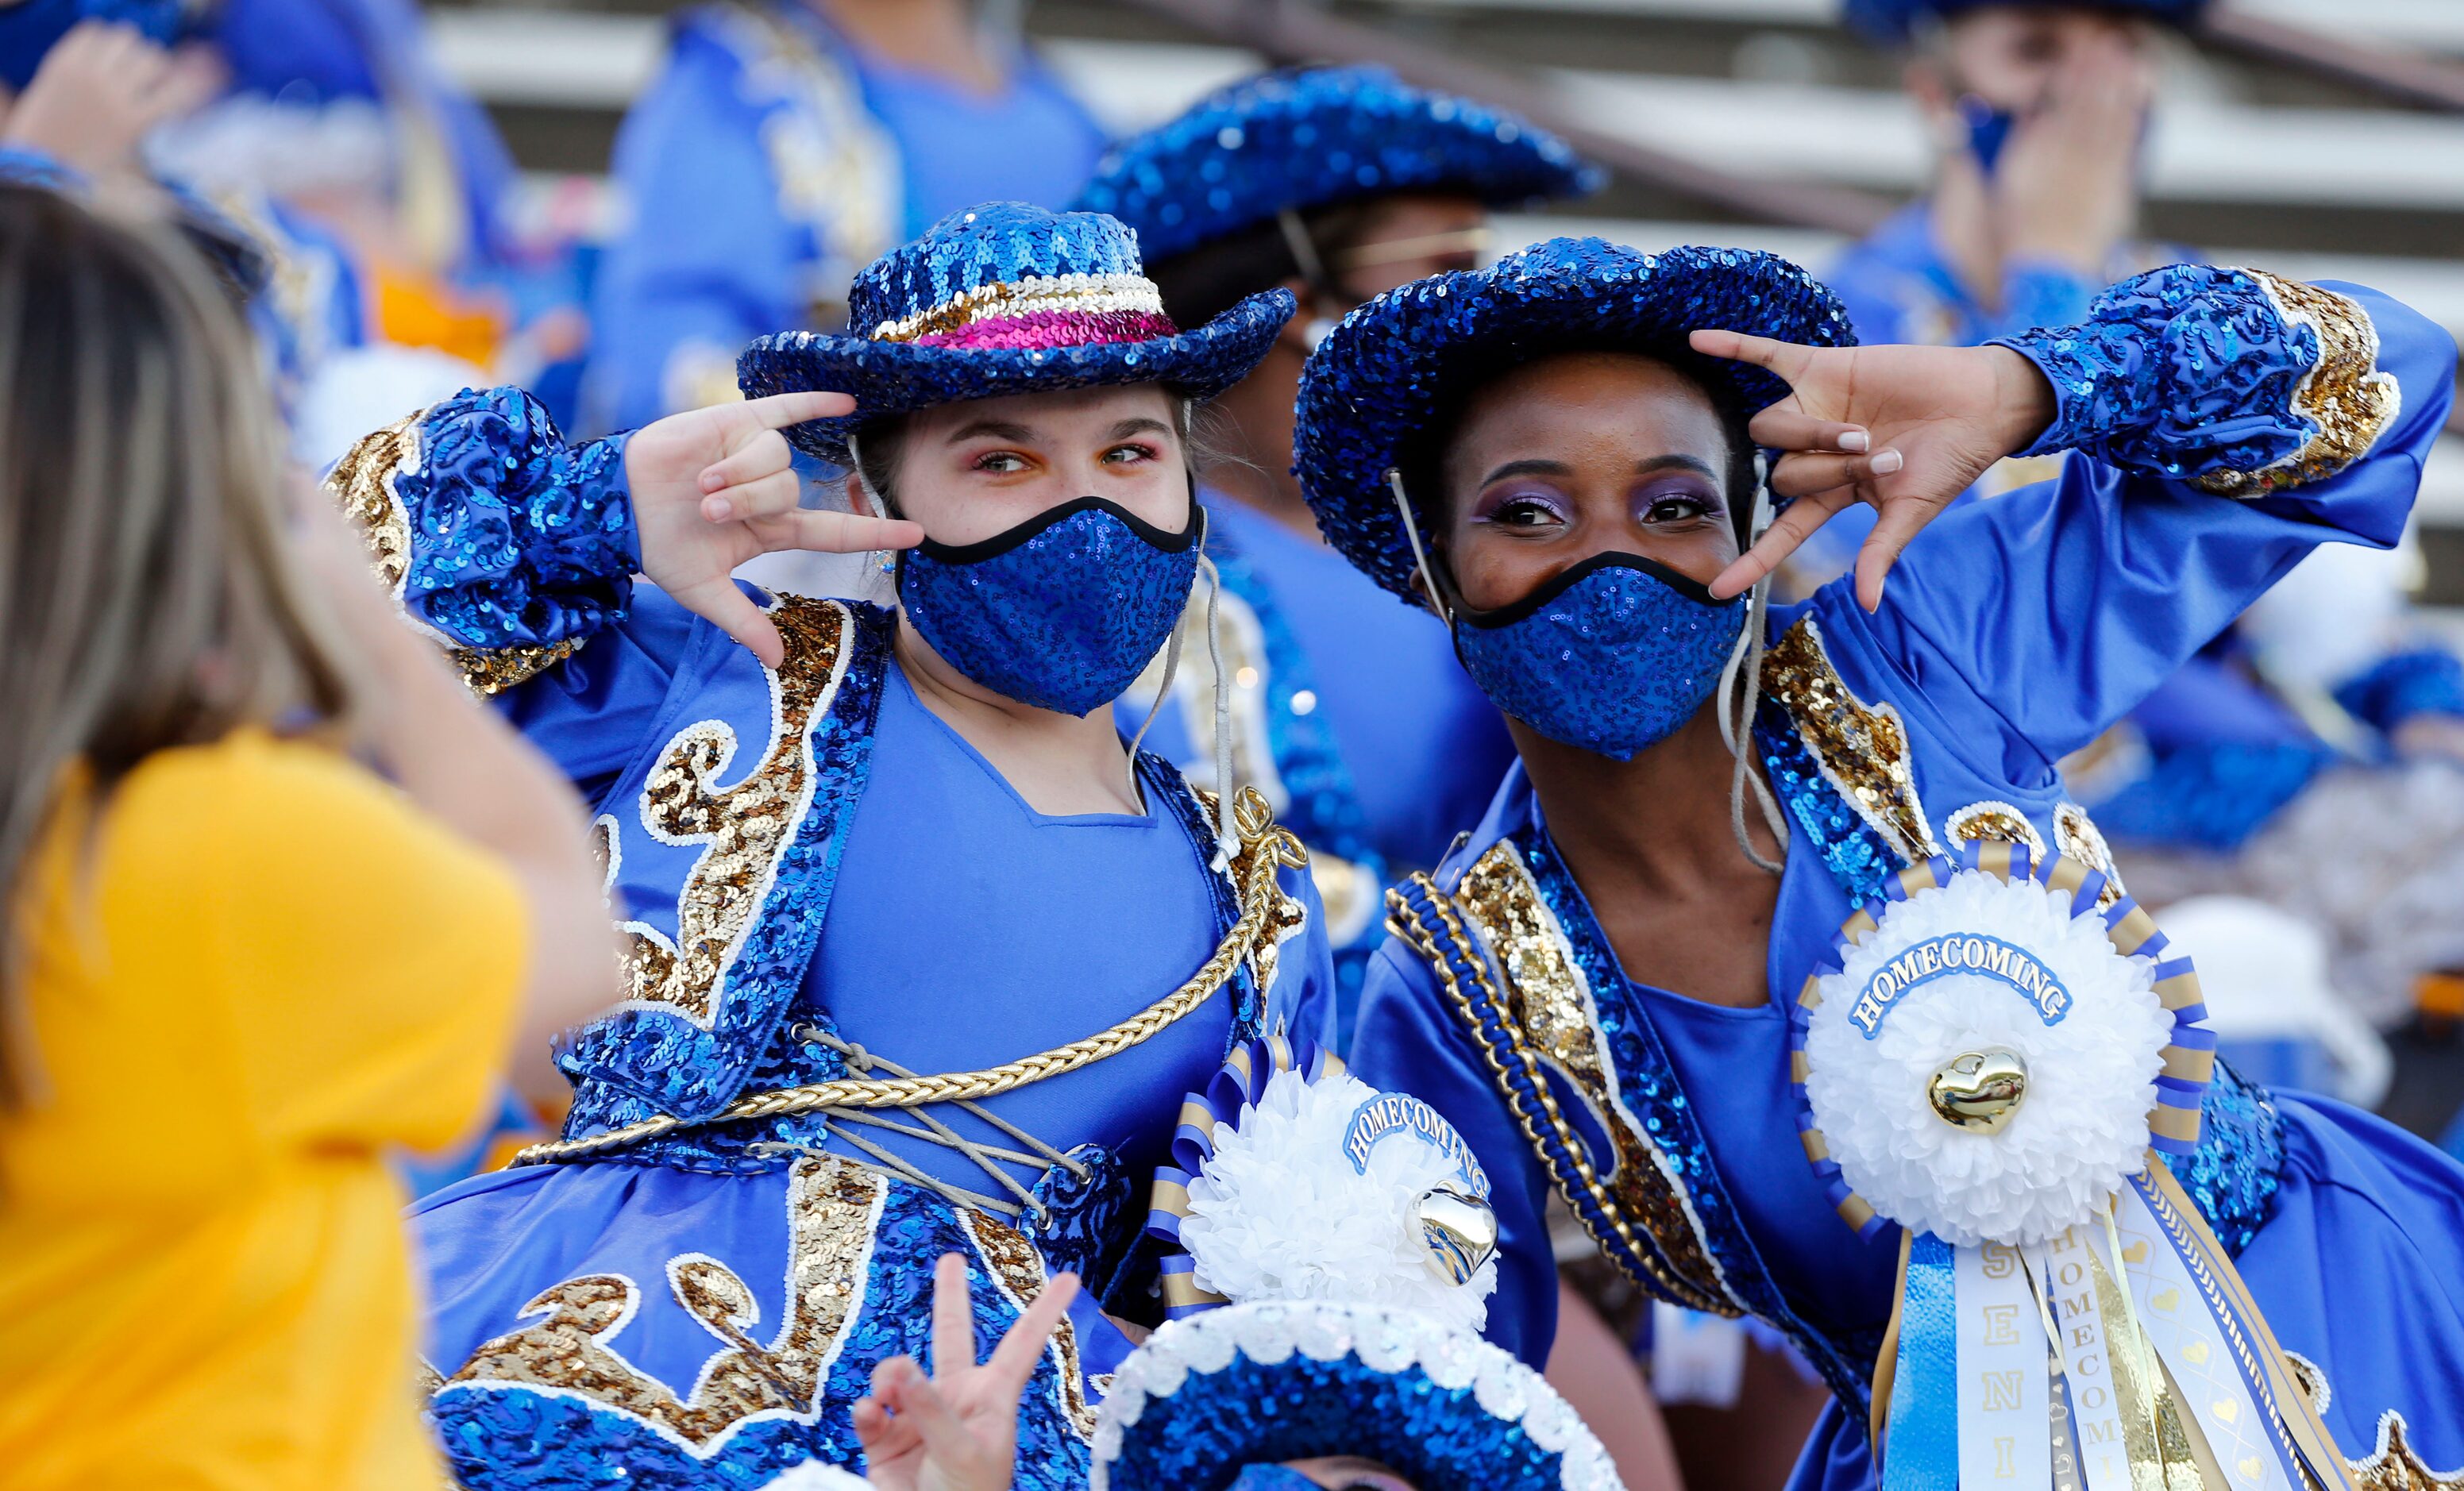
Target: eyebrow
993, 429
1139, 425
1546, 467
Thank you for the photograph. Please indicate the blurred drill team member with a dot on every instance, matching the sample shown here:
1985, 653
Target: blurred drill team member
1348, 711
785, 144
2038, 113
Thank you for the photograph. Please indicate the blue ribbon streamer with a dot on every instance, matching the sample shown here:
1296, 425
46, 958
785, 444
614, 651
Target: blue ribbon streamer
1921, 1450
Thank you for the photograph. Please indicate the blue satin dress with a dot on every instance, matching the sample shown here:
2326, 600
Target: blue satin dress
770, 160
1348, 711
2012, 631
813, 875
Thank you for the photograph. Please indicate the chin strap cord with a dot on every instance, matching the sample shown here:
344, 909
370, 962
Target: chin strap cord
1419, 556
1226, 840
1742, 679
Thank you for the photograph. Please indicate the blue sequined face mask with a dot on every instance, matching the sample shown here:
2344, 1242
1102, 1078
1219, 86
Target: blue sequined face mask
1611, 657
1063, 611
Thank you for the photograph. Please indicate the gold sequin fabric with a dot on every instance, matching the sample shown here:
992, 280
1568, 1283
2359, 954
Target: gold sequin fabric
1083, 294
1018, 1271
2394, 1464
1993, 822
2078, 838
832, 1208
2345, 394
1550, 1002
743, 829
1861, 748
362, 482
489, 672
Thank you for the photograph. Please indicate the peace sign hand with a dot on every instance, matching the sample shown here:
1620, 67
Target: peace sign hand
958, 1428
1903, 429
712, 488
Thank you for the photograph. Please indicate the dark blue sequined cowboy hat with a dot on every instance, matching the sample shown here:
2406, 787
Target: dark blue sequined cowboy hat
1000, 300
28, 31
1396, 364
1890, 21
1300, 140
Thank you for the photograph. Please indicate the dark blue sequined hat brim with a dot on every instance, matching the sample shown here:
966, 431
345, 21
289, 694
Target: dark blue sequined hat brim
898, 378
1438, 1438
1301, 140
1892, 21
1394, 365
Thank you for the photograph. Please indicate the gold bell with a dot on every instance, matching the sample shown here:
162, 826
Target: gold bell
1459, 1229
1979, 1090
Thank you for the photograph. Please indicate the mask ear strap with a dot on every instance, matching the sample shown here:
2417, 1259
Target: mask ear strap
1738, 730
1419, 555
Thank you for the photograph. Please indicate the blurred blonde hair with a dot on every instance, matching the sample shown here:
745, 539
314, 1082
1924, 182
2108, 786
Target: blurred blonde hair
147, 594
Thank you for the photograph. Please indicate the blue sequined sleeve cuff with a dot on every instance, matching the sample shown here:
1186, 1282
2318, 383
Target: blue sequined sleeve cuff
20, 167
2404, 686
2237, 381
511, 547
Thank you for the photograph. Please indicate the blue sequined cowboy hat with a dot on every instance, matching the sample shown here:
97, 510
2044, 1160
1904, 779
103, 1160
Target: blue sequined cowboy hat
1292, 141
1400, 362
999, 299
1890, 21
31, 29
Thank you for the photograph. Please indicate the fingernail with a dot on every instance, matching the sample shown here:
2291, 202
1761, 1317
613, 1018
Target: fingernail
1887, 462
1854, 440
715, 509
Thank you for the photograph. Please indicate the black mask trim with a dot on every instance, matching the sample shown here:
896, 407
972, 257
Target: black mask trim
1011, 537
1566, 579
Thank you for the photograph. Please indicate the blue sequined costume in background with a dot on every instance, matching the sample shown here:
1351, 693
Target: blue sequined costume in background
2014, 631
769, 162
816, 874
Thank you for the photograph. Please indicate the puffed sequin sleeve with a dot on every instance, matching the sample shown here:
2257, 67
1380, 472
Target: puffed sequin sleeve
511, 546
2238, 382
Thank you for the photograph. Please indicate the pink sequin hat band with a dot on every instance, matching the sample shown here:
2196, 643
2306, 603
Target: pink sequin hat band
1040, 311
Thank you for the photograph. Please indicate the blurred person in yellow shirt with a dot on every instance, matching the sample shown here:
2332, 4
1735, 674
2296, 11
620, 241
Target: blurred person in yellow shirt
238, 966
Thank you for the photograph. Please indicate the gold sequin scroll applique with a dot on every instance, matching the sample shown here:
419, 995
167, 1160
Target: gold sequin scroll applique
1993, 822
1094, 294
1862, 749
2078, 838
2345, 394
1018, 1271
363, 484
743, 829
832, 1208
2394, 1464
1549, 1002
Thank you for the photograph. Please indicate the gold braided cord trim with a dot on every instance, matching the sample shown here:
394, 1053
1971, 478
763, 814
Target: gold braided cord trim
1405, 923
2345, 394
1265, 910
1090, 294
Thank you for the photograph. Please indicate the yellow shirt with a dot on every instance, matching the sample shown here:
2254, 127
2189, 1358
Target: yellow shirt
260, 969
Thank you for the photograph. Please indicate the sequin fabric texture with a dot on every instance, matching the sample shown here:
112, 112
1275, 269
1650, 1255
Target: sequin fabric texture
1612, 662
1063, 619
1891, 22
1080, 322
1298, 1407
2199, 373
1301, 140
1390, 367
539, 1431
516, 538
2235, 1173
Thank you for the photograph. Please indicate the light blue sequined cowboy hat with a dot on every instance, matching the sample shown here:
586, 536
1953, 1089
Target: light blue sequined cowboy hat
1398, 363
999, 299
1294, 140
1895, 20
1350, 1232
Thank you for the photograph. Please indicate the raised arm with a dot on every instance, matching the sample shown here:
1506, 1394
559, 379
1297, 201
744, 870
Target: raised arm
2225, 422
